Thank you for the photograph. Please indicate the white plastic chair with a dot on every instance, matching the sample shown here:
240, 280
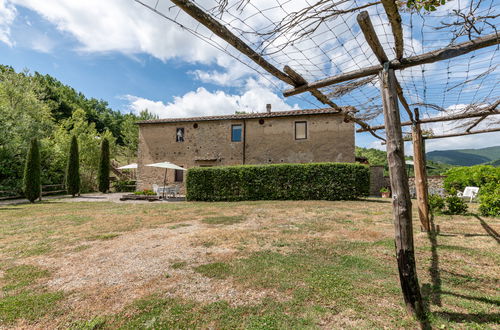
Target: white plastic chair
155, 188
469, 192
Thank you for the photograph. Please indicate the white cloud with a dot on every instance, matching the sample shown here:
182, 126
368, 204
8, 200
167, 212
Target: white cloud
42, 43
122, 26
205, 103
7, 16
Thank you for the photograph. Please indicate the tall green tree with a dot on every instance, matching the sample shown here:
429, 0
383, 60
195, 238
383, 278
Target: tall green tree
73, 169
32, 184
104, 166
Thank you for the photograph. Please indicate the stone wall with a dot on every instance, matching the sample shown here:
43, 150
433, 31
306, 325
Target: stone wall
435, 185
435, 182
264, 141
377, 180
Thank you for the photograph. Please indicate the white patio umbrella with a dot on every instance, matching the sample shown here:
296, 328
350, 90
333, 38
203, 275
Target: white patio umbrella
128, 167
166, 166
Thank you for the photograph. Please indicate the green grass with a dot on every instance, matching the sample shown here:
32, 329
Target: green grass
179, 225
19, 302
214, 270
22, 275
223, 220
28, 306
179, 265
104, 237
168, 313
91, 324
313, 264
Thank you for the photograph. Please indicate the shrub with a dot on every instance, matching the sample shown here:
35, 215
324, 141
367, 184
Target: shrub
436, 204
104, 166
31, 182
455, 205
489, 197
486, 177
458, 178
73, 169
145, 192
124, 186
320, 181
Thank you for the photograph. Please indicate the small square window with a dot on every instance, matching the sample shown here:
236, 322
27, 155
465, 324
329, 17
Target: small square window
236, 131
179, 175
179, 134
300, 130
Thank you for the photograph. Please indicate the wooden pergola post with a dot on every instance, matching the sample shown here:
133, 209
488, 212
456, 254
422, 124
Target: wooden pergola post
401, 201
420, 173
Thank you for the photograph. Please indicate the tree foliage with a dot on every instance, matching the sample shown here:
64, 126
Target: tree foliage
73, 169
31, 181
35, 105
104, 167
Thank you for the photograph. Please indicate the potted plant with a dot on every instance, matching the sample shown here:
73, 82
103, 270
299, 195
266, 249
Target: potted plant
385, 192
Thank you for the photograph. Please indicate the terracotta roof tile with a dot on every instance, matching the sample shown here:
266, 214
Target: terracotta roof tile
245, 116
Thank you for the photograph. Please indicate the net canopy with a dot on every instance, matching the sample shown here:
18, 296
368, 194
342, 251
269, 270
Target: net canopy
319, 39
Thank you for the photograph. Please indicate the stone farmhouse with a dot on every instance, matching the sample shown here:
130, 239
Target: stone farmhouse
299, 136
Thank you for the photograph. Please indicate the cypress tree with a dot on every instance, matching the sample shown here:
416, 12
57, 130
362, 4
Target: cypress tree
31, 180
103, 171
73, 169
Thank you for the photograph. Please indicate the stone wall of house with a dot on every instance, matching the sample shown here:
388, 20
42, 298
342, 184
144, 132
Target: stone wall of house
377, 180
267, 141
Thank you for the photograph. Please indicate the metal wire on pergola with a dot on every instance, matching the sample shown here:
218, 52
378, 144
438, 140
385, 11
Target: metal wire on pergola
366, 59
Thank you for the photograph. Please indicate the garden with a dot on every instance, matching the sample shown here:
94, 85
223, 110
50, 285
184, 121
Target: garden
253, 264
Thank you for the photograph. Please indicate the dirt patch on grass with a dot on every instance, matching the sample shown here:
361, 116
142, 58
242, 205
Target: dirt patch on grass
112, 273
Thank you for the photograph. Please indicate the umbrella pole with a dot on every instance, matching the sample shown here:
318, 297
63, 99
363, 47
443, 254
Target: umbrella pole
164, 184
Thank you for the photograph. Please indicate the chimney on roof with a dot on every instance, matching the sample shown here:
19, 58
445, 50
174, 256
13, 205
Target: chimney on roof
268, 108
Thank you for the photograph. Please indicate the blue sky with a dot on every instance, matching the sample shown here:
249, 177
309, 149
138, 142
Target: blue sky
119, 51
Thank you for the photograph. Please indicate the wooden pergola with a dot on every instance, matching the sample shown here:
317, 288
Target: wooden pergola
392, 95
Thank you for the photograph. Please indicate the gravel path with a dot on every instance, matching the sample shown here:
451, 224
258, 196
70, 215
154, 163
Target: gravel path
91, 197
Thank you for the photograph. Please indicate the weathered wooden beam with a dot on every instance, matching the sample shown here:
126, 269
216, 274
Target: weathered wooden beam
371, 38
223, 32
403, 101
298, 79
373, 41
429, 57
391, 9
487, 111
420, 174
477, 122
401, 203
490, 130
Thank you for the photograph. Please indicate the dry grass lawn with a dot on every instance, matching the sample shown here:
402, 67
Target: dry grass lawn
258, 265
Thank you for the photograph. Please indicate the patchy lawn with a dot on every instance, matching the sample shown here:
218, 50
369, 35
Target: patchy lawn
264, 265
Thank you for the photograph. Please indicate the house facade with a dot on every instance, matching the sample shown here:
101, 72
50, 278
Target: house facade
299, 136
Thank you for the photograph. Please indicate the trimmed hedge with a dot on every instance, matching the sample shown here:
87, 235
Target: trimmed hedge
319, 181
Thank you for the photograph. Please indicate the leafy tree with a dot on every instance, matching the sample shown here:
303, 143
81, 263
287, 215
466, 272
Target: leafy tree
104, 166
130, 134
22, 116
428, 5
73, 169
31, 183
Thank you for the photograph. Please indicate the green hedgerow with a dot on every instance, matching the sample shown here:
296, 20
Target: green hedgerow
73, 169
32, 181
319, 181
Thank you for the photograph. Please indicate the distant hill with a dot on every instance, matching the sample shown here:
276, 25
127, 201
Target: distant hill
467, 157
